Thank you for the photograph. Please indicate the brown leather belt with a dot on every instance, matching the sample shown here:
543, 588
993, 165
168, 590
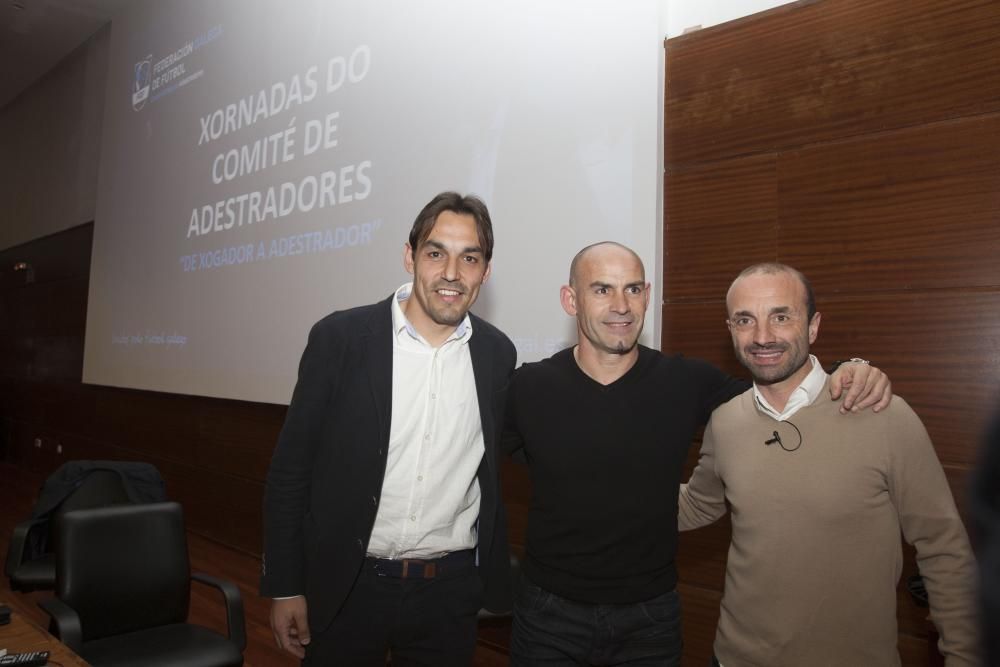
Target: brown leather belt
417, 568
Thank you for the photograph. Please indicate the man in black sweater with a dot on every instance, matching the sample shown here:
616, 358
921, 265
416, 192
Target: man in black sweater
605, 427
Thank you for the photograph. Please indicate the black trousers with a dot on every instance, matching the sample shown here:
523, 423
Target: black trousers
425, 622
553, 631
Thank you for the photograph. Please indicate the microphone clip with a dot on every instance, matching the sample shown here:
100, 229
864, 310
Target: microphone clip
777, 438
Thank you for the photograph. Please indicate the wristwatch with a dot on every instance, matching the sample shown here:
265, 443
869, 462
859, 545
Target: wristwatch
855, 360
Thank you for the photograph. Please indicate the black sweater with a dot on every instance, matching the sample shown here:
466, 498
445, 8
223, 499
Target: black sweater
605, 465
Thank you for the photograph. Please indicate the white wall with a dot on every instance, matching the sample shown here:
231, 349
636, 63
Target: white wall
684, 14
49, 146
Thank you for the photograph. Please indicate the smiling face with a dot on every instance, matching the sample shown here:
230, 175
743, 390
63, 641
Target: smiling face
448, 269
608, 295
771, 328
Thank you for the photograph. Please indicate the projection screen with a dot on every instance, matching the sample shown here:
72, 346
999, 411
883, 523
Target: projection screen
261, 165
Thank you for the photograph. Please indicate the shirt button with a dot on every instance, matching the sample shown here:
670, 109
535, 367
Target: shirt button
360, 543
433, 396
427, 436
374, 500
379, 452
413, 517
420, 478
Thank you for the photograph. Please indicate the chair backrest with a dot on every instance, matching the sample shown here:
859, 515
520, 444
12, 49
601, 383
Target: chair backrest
123, 568
97, 489
100, 488
143, 483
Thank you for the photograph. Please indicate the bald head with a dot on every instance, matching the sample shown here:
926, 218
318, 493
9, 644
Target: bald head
597, 252
773, 269
608, 294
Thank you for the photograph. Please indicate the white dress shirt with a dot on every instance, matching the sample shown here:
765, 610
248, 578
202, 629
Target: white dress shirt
430, 495
805, 394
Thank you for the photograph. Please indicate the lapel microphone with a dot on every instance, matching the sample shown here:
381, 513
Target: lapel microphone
777, 438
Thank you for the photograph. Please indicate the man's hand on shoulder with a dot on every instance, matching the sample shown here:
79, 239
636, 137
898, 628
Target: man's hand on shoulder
290, 624
866, 387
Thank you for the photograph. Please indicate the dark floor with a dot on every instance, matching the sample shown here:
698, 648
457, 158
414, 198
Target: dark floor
17, 494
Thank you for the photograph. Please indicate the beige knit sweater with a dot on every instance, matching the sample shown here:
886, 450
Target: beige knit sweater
816, 551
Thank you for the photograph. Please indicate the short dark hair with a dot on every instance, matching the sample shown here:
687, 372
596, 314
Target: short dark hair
456, 203
771, 268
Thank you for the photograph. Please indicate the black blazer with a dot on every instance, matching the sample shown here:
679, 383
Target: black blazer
327, 470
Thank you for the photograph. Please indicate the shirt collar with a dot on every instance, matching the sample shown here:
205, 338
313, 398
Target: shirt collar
805, 394
401, 326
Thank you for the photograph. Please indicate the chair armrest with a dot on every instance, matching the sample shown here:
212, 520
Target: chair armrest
234, 607
67, 622
18, 542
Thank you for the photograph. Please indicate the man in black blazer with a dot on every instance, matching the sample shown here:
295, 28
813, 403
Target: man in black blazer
383, 526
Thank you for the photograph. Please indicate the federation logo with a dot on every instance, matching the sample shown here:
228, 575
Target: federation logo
140, 82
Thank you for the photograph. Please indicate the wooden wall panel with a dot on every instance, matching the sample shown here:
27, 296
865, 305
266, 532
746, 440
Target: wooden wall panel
217, 504
67, 408
878, 205
913, 209
55, 257
698, 329
516, 485
701, 556
222, 506
939, 347
56, 357
717, 219
148, 423
43, 311
238, 437
825, 70
700, 615
17, 402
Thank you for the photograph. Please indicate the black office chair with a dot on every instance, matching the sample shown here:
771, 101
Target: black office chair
30, 562
123, 591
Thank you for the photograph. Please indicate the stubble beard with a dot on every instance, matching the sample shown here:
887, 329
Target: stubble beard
772, 374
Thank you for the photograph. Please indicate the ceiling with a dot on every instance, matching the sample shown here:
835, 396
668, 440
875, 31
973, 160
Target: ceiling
37, 34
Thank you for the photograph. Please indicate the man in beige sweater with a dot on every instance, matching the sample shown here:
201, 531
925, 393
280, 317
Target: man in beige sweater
818, 502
